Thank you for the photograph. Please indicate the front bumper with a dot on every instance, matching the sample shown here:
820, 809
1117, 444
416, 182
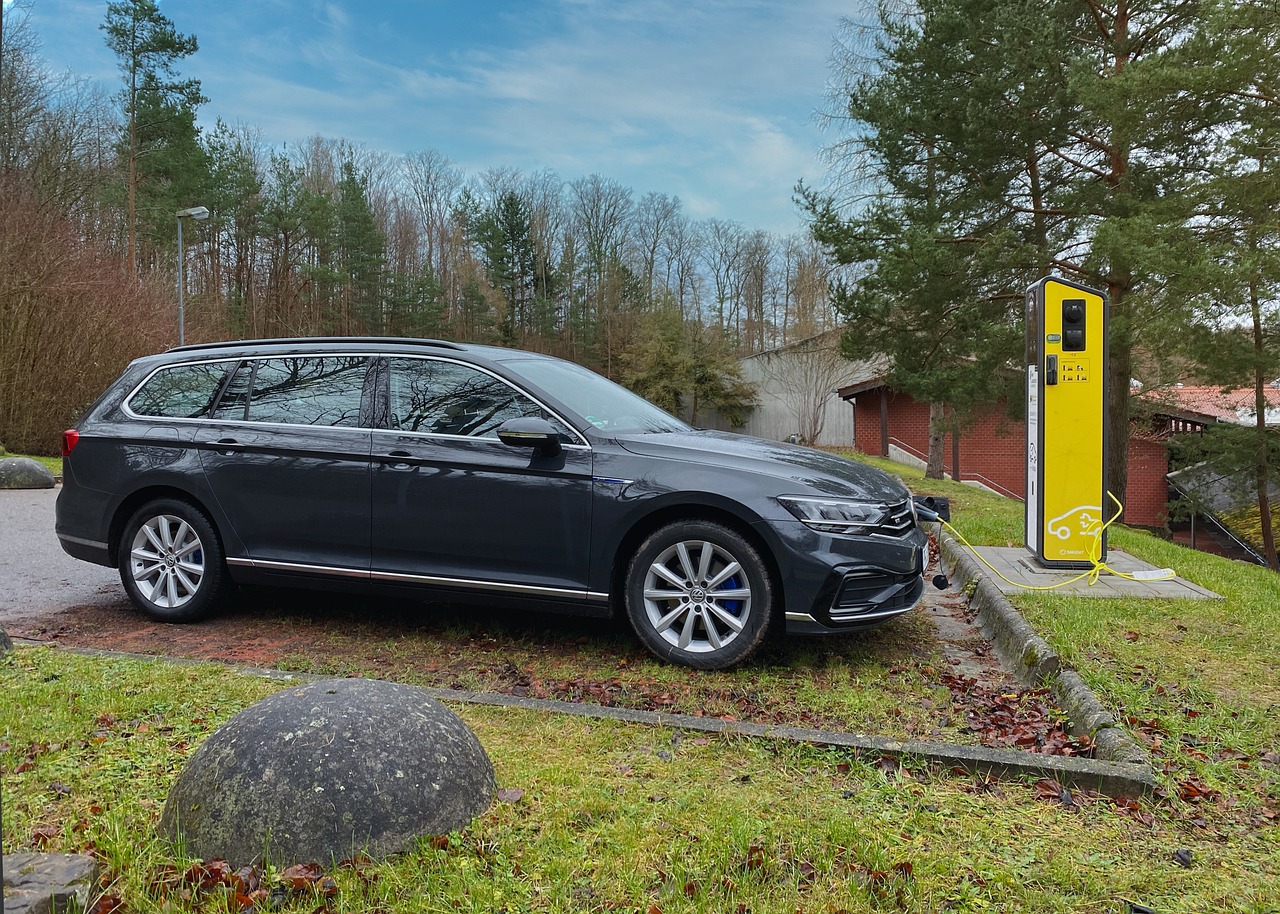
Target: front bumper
843, 584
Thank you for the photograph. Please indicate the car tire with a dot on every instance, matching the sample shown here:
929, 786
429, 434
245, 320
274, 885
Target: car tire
171, 561
698, 594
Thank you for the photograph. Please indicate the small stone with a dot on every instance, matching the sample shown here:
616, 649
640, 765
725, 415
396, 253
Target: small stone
43, 883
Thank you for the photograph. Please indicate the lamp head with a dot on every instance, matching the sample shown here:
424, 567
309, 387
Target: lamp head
195, 212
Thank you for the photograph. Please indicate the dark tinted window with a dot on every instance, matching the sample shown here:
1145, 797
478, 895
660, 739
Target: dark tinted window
316, 390
450, 399
180, 392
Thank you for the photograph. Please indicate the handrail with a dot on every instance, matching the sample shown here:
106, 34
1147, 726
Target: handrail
1214, 519
992, 484
919, 455
964, 475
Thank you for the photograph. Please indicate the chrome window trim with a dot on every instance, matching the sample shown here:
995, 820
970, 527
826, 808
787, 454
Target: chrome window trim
392, 577
166, 420
396, 431
581, 444
137, 388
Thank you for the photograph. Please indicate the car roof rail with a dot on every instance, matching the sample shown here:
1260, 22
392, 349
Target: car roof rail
308, 340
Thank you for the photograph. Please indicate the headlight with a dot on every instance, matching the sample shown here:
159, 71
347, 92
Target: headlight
836, 515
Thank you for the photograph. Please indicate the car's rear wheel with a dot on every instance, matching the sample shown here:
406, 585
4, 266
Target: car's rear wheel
698, 594
171, 563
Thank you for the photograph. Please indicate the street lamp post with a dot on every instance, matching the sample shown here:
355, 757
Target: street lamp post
197, 213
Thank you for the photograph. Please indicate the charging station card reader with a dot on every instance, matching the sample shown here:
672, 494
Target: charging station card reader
1066, 424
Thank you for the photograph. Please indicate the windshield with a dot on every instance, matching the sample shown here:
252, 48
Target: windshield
604, 404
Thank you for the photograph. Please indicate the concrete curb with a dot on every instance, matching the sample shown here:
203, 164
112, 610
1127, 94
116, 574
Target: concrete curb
1108, 776
1037, 664
1113, 778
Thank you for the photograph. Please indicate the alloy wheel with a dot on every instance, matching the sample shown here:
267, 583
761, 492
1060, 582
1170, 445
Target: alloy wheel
166, 561
697, 597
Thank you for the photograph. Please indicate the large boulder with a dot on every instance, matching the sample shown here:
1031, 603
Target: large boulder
24, 473
320, 773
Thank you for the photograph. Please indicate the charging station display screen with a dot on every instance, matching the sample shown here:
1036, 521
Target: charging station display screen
1067, 456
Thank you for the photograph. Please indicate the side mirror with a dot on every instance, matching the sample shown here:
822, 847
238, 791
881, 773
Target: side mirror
530, 431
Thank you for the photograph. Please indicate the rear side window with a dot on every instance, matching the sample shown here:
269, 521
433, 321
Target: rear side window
181, 391
313, 390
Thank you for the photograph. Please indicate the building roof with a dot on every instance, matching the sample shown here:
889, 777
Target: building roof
1198, 403
1217, 403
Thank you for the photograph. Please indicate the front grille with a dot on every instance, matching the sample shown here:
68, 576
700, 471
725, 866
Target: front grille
899, 520
868, 592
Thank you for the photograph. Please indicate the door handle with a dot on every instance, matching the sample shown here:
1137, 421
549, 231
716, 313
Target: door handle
228, 446
398, 460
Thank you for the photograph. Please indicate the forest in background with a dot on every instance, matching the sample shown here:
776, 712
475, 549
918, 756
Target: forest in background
329, 237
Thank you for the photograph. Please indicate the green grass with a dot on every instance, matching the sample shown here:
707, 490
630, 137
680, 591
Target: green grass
617, 817
54, 464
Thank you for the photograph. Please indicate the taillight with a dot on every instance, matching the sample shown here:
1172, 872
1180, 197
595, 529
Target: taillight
69, 439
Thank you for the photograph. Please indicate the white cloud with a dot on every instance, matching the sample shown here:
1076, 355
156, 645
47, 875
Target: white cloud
711, 101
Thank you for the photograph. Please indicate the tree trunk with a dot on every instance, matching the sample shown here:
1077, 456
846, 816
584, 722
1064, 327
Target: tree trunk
1119, 371
937, 436
1261, 474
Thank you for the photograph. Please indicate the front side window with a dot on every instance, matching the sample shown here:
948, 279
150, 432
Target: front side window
180, 391
311, 390
445, 398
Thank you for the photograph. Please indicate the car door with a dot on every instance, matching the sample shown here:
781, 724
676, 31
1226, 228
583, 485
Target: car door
287, 459
453, 505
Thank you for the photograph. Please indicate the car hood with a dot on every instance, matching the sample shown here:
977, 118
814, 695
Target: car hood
798, 470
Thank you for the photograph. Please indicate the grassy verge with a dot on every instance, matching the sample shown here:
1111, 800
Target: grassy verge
53, 463
614, 817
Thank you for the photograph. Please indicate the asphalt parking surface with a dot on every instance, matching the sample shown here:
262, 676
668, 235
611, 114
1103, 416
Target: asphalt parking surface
36, 577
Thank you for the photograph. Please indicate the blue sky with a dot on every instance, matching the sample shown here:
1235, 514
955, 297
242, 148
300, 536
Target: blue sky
712, 101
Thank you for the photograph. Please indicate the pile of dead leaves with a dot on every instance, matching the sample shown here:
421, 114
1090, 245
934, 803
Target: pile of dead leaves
1025, 720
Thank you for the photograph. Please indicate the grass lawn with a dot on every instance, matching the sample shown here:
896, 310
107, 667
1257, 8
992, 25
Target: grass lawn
605, 816
53, 463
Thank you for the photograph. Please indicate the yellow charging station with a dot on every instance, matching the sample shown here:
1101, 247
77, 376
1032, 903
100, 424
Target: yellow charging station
1066, 424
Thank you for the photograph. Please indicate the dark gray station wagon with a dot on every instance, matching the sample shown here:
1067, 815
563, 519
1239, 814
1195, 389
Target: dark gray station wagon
474, 471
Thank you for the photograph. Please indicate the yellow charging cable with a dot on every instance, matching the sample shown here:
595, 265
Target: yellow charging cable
1095, 551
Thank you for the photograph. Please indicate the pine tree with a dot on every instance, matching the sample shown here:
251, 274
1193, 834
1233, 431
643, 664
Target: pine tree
148, 47
1232, 68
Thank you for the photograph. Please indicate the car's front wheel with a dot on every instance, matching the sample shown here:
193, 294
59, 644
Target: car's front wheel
699, 594
171, 563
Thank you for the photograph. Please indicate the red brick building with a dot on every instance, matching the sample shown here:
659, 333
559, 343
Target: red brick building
992, 450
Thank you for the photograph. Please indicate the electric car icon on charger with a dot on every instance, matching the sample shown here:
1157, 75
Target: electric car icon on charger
1081, 518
